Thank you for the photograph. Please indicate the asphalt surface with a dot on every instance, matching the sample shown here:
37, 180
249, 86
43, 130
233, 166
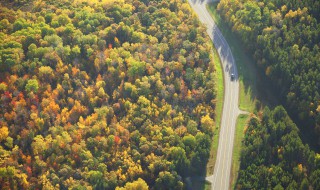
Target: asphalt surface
220, 179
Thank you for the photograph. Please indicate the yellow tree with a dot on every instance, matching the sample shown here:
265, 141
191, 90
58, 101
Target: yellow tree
207, 124
4, 132
140, 184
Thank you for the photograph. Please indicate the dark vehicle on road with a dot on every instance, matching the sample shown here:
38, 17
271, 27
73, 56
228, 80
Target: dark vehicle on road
232, 76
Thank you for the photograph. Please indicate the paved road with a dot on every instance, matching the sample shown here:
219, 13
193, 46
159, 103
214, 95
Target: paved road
220, 179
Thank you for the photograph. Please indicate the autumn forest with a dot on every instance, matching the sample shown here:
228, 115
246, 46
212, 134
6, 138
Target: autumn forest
122, 94
104, 95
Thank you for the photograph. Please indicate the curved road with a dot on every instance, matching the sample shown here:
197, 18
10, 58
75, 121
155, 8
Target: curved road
220, 179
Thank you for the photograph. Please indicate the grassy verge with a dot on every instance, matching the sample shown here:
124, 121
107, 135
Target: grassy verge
219, 107
239, 134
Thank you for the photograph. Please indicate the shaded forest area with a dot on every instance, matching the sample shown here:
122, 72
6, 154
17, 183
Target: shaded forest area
104, 94
284, 38
274, 157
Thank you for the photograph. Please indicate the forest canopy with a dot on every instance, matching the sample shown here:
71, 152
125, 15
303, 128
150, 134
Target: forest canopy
274, 157
100, 94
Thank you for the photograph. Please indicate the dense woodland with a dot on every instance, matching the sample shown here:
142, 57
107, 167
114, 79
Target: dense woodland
284, 39
274, 157
103, 94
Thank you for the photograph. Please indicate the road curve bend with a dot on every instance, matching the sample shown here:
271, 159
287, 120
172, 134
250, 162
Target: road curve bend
220, 179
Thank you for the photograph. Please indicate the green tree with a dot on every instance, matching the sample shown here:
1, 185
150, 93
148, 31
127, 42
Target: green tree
167, 180
32, 86
97, 180
136, 68
38, 145
179, 159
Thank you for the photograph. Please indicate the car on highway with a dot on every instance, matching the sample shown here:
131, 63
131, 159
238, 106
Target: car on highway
232, 76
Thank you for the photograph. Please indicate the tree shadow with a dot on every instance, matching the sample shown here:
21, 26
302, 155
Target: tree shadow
198, 183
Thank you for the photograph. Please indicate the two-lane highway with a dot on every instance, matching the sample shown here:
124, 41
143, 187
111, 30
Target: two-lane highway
221, 177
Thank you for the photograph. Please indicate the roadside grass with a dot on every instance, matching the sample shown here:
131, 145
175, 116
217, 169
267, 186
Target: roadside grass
219, 107
239, 134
